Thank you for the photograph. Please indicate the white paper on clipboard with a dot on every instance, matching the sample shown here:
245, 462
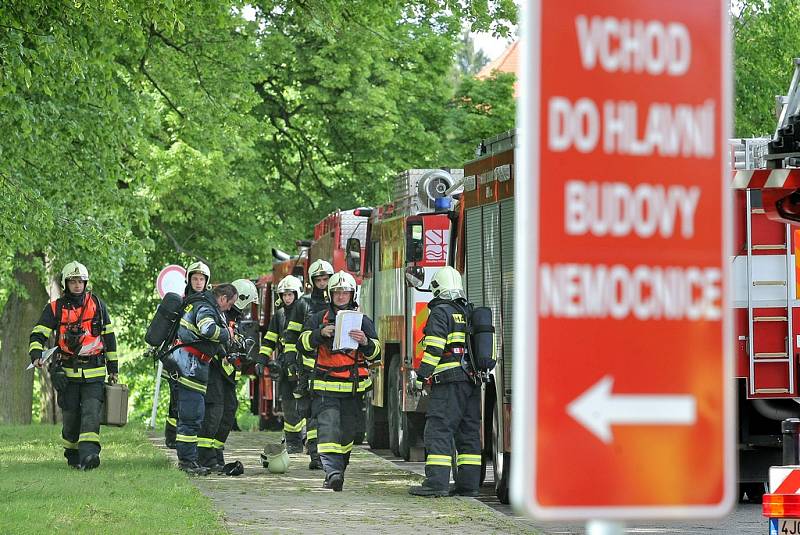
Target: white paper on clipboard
346, 321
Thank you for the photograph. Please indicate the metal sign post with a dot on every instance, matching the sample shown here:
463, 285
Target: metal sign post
170, 279
157, 391
624, 407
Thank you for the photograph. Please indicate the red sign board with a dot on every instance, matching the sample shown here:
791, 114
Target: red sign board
624, 407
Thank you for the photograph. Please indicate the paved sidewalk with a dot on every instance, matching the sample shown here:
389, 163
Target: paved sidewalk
374, 499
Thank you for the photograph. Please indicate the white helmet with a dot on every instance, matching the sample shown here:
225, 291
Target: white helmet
275, 458
198, 267
342, 281
73, 270
247, 293
446, 284
320, 267
290, 283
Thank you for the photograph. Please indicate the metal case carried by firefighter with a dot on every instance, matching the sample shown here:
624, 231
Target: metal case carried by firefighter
115, 408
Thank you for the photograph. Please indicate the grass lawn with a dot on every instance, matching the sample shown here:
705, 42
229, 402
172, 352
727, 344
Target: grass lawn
135, 490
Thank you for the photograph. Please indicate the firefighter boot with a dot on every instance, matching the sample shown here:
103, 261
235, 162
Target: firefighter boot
316, 463
72, 458
428, 492
193, 468
335, 481
294, 446
91, 462
454, 491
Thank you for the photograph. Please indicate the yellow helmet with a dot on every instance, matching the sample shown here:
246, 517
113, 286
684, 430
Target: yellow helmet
247, 293
446, 284
73, 270
198, 267
320, 267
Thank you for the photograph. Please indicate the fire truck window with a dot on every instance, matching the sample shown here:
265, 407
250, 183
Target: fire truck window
353, 255
414, 242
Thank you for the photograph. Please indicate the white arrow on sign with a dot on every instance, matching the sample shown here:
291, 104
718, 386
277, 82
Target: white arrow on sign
597, 409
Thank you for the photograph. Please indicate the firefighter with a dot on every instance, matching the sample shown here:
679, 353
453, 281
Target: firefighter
339, 379
197, 277
282, 333
220, 401
87, 349
320, 273
202, 334
454, 407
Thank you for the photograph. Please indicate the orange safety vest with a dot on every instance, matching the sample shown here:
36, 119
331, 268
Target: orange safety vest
82, 317
340, 365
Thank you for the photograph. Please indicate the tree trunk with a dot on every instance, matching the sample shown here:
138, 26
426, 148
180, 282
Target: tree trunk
18, 318
49, 410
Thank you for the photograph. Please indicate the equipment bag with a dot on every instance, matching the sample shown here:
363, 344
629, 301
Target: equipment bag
165, 321
481, 338
115, 407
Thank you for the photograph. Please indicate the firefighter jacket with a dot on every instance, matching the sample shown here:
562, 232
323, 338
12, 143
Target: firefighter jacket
282, 334
445, 342
314, 302
337, 373
85, 337
204, 332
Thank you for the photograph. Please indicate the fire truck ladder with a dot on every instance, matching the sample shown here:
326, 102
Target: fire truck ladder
784, 357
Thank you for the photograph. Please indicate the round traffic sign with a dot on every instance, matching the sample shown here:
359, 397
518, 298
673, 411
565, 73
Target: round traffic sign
171, 279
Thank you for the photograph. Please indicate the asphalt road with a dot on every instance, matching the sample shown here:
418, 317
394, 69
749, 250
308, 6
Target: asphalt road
745, 519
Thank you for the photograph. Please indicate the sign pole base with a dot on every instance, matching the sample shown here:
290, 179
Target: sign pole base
605, 527
152, 424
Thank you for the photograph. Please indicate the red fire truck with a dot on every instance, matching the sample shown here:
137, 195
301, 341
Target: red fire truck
405, 234
484, 254
340, 239
263, 393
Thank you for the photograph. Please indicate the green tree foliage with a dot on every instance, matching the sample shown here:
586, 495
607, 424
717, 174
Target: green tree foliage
145, 133
765, 42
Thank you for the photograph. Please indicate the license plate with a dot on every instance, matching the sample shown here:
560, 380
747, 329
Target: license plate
784, 526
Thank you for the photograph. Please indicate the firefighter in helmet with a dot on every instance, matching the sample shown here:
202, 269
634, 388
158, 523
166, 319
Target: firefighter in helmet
202, 334
197, 278
220, 400
281, 339
339, 378
454, 409
320, 273
87, 350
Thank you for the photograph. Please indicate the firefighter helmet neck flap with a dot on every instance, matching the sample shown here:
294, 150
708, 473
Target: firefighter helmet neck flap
247, 294
446, 284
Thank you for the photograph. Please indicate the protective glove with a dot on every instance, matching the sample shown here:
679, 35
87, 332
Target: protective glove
58, 377
417, 383
259, 368
274, 369
112, 378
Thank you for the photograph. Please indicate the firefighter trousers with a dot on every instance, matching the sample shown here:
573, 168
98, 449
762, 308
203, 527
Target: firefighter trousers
172, 414
337, 425
294, 411
220, 411
311, 426
454, 416
230, 405
81, 405
191, 411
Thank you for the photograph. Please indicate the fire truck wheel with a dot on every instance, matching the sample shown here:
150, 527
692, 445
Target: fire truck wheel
501, 464
393, 398
377, 428
412, 427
